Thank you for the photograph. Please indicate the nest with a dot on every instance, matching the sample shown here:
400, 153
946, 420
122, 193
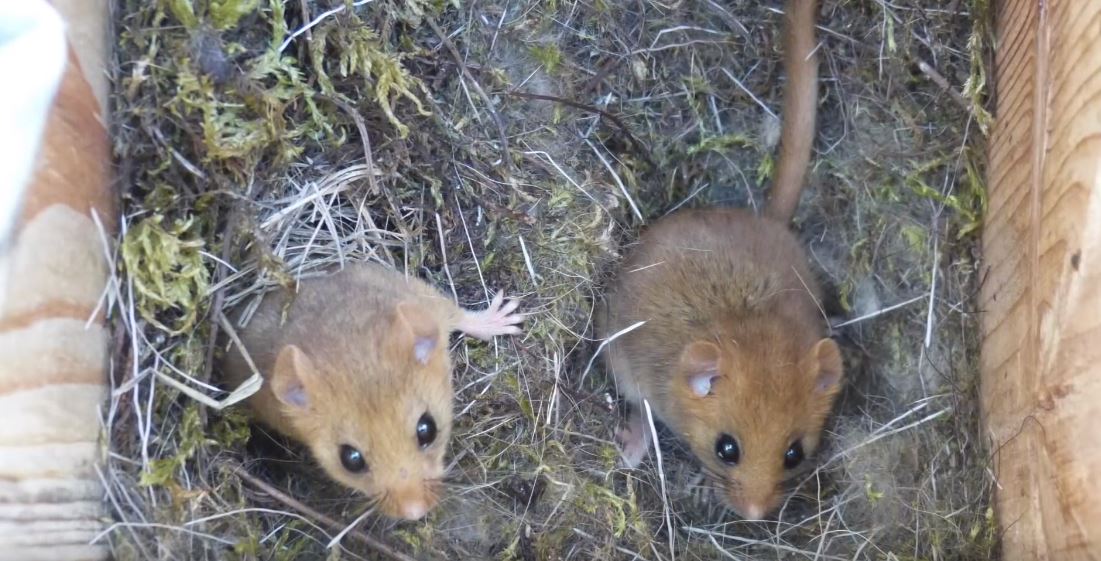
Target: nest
518, 146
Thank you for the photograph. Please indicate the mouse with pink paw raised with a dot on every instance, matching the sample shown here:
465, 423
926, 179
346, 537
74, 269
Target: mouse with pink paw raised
359, 372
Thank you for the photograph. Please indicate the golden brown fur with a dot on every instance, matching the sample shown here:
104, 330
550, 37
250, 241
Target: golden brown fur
345, 339
733, 343
740, 283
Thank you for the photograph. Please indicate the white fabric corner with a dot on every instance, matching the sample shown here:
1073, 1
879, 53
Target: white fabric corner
32, 60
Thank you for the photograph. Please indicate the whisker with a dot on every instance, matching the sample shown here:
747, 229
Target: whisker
380, 499
720, 477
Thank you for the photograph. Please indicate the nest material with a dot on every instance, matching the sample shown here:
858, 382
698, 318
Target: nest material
519, 145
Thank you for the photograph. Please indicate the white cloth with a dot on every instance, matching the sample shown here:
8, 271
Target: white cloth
32, 61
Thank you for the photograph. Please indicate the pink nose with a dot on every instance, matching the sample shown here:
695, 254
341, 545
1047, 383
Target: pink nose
752, 511
414, 509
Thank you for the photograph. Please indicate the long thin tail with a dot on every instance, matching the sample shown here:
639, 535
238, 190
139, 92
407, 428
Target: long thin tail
800, 109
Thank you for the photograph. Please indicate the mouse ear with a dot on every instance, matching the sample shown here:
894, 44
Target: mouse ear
826, 366
288, 380
699, 362
416, 332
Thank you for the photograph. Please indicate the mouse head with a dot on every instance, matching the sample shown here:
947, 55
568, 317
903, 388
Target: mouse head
377, 416
754, 413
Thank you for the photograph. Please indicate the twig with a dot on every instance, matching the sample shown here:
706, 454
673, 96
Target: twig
477, 88
812, 296
618, 181
751, 541
244, 390
603, 70
470, 243
304, 6
606, 342
369, 159
443, 257
528, 263
347, 529
313, 23
563, 173
311, 513
646, 155
229, 237
232, 334
361, 126
880, 312
661, 477
941, 81
748, 92
932, 293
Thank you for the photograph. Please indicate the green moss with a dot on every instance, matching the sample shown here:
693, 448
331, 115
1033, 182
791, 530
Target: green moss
871, 493
917, 238
232, 429
977, 46
721, 143
765, 169
973, 195
226, 13
361, 54
166, 265
162, 472
968, 202
548, 55
183, 11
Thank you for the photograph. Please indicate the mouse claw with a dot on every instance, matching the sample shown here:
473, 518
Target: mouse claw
498, 319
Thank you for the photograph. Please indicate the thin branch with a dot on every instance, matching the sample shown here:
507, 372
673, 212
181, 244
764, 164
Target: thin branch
306, 28
477, 88
939, 79
313, 514
369, 159
646, 155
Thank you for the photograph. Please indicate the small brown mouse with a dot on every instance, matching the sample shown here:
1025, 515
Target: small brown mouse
359, 372
733, 355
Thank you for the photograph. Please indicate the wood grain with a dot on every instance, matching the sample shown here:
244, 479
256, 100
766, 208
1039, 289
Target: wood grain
53, 341
1041, 355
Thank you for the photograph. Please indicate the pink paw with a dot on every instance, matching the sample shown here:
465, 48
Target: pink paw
633, 446
497, 319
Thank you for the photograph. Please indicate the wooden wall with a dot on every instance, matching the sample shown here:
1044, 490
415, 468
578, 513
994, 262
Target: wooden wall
1041, 291
53, 335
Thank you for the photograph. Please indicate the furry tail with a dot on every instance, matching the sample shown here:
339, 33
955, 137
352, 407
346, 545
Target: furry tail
800, 109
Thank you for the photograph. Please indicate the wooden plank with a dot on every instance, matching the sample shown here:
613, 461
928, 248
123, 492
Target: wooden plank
53, 350
1041, 358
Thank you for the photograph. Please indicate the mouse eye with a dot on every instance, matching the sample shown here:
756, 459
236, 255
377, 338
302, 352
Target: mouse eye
726, 448
794, 456
352, 459
426, 430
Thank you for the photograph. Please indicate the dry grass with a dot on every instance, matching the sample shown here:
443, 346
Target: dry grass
426, 135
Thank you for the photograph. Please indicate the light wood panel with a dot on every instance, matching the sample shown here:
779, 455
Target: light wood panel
53, 341
1041, 294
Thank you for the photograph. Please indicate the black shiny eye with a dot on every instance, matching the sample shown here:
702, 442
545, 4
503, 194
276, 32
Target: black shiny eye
352, 459
794, 456
726, 448
426, 430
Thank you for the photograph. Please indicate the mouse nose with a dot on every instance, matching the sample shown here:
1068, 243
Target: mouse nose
411, 501
754, 505
753, 511
414, 509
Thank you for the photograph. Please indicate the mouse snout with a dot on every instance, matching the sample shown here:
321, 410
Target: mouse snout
414, 509
752, 511
755, 506
410, 499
